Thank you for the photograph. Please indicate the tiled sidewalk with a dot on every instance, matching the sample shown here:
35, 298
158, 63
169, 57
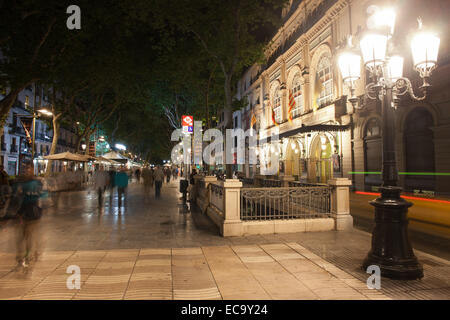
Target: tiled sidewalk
185, 258
260, 272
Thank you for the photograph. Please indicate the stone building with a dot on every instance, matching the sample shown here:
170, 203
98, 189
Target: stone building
326, 137
15, 151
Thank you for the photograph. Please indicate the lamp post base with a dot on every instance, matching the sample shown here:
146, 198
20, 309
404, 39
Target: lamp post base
391, 248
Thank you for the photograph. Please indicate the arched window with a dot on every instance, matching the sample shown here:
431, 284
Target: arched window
373, 128
326, 79
298, 96
277, 104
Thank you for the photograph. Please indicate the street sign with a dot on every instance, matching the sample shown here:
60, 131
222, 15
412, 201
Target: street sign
187, 123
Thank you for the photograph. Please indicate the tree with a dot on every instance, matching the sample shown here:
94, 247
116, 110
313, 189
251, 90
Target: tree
229, 35
34, 40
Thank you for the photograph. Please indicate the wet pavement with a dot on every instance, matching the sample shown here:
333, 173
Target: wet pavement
74, 221
159, 249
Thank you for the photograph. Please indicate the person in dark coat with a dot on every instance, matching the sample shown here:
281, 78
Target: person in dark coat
121, 181
28, 218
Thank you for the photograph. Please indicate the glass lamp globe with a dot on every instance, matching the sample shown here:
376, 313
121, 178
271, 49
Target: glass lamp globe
425, 48
350, 66
394, 68
373, 48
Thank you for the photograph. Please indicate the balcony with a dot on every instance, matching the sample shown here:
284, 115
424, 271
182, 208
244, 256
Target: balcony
43, 137
13, 148
16, 130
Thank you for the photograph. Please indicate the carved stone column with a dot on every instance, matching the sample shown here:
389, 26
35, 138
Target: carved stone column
232, 224
340, 203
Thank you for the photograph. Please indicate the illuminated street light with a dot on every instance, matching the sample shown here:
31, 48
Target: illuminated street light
391, 249
120, 146
46, 112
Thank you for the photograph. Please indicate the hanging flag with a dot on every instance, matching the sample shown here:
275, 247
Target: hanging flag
273, 114
291, 105
318, 87
27, 123
253, 120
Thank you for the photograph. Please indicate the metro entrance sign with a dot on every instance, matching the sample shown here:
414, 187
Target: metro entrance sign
187, 123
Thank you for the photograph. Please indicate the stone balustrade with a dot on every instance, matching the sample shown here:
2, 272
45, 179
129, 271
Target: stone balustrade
221, 201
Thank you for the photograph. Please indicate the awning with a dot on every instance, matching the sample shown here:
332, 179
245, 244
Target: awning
67, 156
113, 155
105, 160
306, 129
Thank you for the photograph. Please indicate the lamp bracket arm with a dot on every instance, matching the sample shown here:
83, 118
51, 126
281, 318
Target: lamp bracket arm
371, 91
403, 86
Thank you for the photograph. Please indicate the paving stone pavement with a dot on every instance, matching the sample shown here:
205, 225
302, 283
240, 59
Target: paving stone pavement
258, 272
158, 249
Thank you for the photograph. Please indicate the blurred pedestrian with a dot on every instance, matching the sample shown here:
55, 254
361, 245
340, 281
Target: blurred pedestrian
29, 217
4, 190
168, 175
191, 188
159, 178
100, 183
111, 183
121, 181
147, 175
138, 175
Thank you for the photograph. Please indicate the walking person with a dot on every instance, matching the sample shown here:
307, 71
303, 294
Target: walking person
100, 183
4, 190
147, 175
121, 181
159, 178
111, 184
138, 175
191, 188
168, 174
28, 216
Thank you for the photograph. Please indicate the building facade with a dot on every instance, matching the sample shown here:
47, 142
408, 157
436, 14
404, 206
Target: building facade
15, 151
300, 95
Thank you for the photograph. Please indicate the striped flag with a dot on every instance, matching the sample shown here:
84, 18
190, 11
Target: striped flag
291, 105
273, 114
253, 120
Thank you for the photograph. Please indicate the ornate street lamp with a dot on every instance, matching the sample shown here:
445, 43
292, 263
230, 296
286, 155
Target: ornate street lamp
391, 249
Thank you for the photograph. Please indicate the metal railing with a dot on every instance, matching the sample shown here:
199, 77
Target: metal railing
247, 181
271, 183
305, 184
285, 203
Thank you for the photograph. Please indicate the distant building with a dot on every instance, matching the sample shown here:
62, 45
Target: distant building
15, 151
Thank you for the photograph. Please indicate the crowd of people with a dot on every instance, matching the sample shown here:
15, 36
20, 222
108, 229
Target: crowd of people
20, 199
155, 177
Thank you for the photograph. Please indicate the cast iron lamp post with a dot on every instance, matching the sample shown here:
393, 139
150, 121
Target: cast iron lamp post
35, 115
391, 249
